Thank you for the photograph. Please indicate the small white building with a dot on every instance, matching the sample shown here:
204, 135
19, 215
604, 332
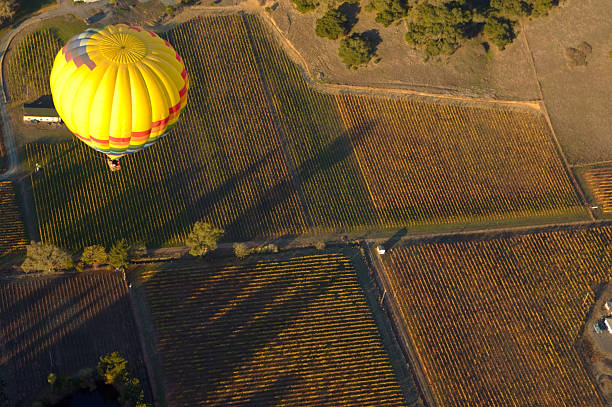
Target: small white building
35, 114
608, 305
381, 250
608, 324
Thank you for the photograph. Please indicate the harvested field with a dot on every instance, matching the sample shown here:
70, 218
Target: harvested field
277, 332
495, 322
62, 324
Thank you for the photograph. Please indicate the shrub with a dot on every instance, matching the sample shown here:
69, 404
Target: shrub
304, 6
332, 25
113, 368
241, 250
610, 54
356, 50
203, 238
499, 31
46, 258
320, 245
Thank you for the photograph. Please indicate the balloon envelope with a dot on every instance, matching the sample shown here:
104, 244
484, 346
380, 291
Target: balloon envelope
119, 89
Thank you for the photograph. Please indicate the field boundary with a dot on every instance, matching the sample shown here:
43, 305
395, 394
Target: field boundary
334, 88
392, 312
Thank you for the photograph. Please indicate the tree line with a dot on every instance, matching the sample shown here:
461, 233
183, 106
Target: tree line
433, 26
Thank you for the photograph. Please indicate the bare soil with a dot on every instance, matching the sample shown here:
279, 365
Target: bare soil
577, 96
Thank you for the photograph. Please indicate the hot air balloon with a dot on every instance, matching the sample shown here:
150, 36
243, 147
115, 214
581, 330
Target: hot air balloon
118, 89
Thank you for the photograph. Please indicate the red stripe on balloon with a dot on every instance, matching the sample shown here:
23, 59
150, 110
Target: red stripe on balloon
183, 91
184, 73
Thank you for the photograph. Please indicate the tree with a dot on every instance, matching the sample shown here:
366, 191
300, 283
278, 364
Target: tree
304, 6
438, 29
118, 256
113, 368
355, 50
7, 10
332, 25
499, 31
94, 255
203, 238
46, 258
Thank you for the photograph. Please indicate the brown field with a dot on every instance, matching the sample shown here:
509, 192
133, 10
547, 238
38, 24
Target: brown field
495, 322
12, 234
470, 163
577, 98
62, 324
294, 332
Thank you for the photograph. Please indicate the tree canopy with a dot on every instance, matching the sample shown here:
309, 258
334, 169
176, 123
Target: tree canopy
332, 25
46, 258
304, 6
438, 29
356, 50
203, 238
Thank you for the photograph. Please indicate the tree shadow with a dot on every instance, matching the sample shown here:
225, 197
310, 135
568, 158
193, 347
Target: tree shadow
373, 36
351, 11
236, 319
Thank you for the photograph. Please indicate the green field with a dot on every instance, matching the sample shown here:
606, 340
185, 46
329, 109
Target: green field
260, 154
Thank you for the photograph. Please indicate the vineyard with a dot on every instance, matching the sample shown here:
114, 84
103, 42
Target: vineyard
494, 322
261, 154
12, 234
62, 324
599, 181
280, 332
28, 67
471, 163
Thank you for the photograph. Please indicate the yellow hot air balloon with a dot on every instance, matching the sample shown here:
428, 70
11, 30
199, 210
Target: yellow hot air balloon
119, 89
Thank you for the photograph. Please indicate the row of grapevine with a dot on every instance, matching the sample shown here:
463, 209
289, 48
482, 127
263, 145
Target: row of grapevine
12, 234
335, 192
280, 332
428, 163
260, 154
599, 181
494, 322
62, 324
28, 68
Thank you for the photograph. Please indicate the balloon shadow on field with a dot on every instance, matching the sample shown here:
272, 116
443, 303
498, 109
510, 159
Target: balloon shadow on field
334, 152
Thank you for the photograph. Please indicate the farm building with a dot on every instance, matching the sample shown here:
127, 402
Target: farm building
42, 110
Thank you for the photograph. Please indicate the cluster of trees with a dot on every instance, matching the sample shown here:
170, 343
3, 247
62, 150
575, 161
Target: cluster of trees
112, 370
47, 258
442, 27
434, 26
356, 49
